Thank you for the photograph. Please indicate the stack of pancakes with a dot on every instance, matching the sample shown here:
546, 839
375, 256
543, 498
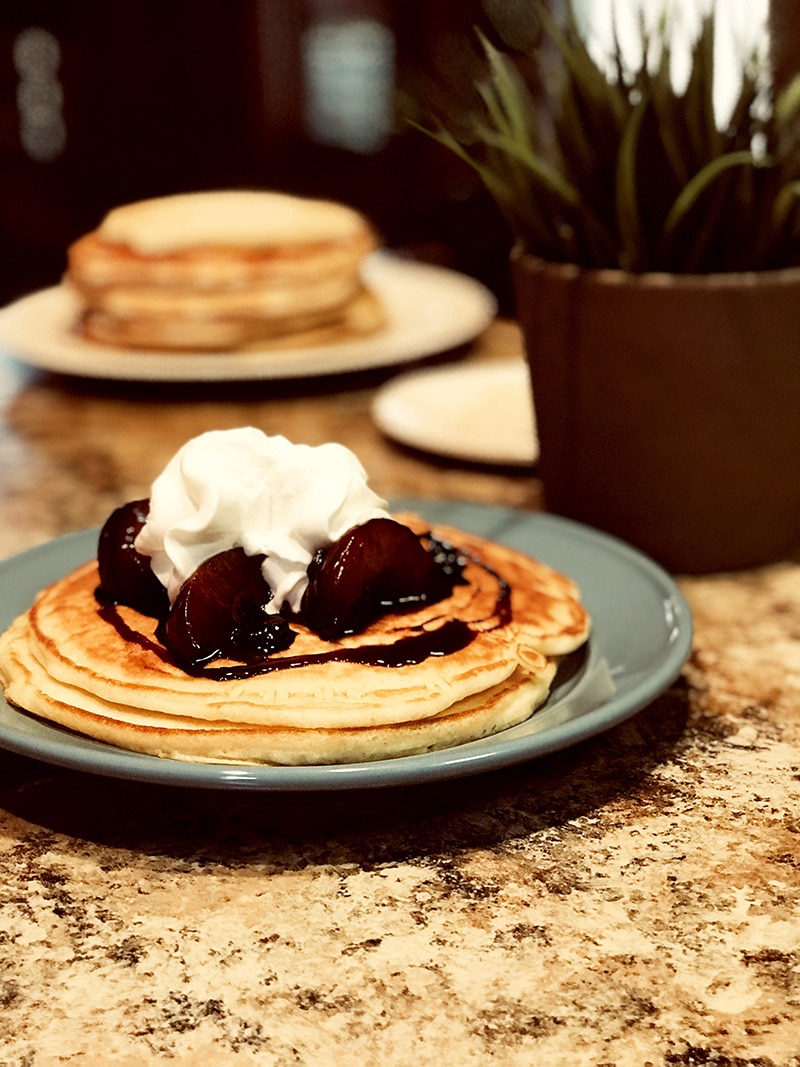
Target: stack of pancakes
225, 270
63, 661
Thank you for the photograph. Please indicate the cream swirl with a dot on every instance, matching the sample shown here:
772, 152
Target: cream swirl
244, 489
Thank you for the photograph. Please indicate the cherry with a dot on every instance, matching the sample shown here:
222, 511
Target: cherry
219, 612
375, 569
378, 568
125, 574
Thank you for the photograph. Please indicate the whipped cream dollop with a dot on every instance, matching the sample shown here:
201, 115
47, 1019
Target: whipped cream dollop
244, 489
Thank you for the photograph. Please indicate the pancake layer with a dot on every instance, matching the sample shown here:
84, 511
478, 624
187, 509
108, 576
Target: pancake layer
103, 673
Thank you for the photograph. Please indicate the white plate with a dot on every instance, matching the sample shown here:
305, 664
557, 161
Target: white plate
480, 412
430, 309
641, 635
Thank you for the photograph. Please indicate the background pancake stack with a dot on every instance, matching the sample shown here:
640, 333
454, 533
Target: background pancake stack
222, 270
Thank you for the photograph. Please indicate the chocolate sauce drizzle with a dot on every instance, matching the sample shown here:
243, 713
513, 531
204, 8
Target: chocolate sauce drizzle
444, 640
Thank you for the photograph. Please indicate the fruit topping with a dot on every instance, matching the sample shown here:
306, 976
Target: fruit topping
377, 568
449, 560
125, 574
219, 613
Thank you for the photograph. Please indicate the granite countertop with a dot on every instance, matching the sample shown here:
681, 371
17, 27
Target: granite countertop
633, 900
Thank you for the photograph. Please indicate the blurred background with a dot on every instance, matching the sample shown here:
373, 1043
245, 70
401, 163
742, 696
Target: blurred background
103, 103
106, 102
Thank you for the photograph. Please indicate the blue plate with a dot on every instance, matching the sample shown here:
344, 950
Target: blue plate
641, 636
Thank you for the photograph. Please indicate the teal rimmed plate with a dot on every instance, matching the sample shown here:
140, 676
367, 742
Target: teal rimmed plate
641, 637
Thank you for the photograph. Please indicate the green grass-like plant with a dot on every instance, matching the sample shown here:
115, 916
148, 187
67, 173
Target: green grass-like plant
615, 167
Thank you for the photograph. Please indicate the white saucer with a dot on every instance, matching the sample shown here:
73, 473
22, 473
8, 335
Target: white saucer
430, 309
478, 412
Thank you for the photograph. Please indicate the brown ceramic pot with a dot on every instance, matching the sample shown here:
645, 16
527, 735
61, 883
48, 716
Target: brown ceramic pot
668, 407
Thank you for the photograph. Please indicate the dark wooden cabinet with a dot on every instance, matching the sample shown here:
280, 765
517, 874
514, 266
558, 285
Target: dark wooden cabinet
102, 103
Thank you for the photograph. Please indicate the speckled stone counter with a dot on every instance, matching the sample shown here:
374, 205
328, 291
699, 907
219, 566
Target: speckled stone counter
633, 900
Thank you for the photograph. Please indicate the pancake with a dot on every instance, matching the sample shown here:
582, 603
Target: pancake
359, 317
223, 270
103, 673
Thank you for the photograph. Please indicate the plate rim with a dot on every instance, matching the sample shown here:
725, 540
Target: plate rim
390, 395
403, 341
56, 746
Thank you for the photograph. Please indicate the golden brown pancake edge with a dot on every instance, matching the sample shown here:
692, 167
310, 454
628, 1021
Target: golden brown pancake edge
62, 661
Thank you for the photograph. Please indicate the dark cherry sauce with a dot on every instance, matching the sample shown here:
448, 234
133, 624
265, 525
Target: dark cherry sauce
108, 610
503, 603
219, 614
444, 641
377, 569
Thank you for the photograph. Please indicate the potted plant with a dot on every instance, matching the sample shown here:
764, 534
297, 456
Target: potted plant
656, 270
